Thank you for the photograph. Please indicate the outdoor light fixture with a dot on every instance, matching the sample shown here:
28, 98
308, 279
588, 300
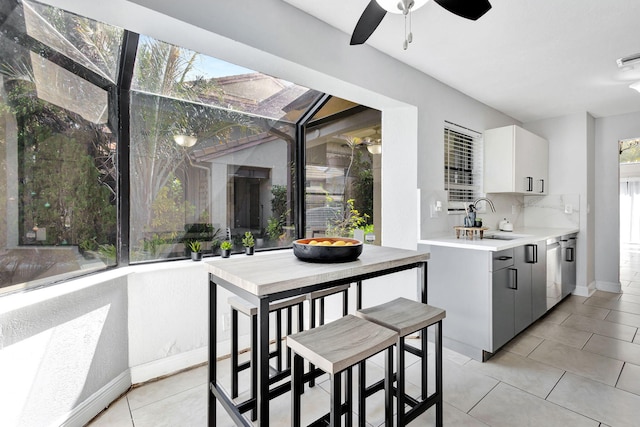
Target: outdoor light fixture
185, 141
635, 86
375, 148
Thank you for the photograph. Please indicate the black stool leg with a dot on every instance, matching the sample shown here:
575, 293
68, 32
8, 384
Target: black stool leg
438, 344
425, 364
279, 340
312, 324
362, 394
388, 385
234, 354
296, 389
400, 395
335, 416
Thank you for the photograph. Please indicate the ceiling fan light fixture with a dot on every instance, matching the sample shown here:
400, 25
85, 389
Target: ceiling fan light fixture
401, 6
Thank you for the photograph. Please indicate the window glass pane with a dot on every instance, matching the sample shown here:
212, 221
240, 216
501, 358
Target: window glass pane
172, 71
90, 43
203, 172
57, 170
341, 173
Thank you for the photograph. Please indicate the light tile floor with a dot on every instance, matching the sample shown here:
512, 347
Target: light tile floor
577, 366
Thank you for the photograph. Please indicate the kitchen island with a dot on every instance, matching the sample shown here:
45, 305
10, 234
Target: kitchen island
492, 288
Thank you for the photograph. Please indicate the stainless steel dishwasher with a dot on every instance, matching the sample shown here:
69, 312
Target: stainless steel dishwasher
554, 272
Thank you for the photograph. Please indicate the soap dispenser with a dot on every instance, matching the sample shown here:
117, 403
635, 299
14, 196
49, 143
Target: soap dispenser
502, 223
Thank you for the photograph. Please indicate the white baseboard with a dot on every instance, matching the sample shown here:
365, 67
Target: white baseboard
168, 365
585, 291
97, 402
609, 286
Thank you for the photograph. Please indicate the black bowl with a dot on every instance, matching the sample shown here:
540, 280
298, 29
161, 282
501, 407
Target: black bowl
327, 254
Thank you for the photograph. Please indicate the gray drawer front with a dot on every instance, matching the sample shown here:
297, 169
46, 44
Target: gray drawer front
502, 259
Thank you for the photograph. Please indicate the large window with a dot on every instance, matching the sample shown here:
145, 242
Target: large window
112, 155
57, 169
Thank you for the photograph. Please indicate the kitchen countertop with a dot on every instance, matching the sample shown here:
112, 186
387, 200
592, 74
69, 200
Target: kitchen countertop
522, 236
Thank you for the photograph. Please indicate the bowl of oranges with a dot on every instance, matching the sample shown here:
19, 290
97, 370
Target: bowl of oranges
327, 249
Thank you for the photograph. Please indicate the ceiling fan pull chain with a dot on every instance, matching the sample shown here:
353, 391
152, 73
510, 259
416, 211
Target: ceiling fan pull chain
405, 43
410, 36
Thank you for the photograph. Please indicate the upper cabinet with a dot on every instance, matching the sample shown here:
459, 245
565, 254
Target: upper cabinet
515, 161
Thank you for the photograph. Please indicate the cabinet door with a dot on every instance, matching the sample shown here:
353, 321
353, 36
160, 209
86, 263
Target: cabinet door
524, 158
502, 308
524, 258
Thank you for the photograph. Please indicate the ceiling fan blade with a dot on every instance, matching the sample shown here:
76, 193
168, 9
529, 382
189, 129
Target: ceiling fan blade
368, 22
470, 9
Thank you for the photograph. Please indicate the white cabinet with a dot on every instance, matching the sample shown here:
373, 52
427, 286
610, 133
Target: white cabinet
515, 161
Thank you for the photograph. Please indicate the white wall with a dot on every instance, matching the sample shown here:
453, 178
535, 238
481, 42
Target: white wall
571, 172
608, 131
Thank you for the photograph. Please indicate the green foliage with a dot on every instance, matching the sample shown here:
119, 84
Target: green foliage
195, 246
248, 240
169, 207
352, 220
280, 212
226, 245
108, 253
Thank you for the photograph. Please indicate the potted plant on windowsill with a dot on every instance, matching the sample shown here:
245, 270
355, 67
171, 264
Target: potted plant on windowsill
225, 249
196, 250
249, 243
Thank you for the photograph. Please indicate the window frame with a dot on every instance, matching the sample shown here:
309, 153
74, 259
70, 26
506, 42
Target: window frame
473, 151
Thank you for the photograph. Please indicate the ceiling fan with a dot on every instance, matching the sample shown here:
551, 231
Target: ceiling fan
377, 9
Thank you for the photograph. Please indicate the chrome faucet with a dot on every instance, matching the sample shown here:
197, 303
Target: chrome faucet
475, 202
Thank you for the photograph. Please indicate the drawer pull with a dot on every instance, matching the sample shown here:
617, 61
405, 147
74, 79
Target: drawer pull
504, 258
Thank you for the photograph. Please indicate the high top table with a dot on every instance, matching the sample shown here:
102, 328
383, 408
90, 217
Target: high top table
273, 275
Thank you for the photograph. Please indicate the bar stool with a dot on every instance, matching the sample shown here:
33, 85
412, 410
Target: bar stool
406, 317
335, 348
243, 306
317, 312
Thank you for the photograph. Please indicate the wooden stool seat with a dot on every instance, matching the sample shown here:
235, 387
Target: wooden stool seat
403, 315
335, 348
245, 307
406, 317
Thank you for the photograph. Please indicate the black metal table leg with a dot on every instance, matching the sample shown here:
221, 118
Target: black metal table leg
263, 363
213, 339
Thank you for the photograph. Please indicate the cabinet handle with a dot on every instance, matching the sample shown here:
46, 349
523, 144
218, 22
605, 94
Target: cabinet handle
531, 253
542, 185
504, 258
513, 279
570, 255
528, 184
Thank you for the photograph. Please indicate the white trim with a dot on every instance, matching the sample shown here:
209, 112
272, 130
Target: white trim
585, 291
97, 402
169, 365
609, 287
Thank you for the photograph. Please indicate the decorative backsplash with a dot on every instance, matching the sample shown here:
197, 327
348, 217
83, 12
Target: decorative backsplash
561, 210
554, 211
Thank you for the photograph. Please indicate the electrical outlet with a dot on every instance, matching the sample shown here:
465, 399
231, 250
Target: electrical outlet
226, 322
568, 209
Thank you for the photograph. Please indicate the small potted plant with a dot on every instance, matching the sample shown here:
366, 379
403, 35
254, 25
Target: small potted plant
249, 243
196, 250
225, 249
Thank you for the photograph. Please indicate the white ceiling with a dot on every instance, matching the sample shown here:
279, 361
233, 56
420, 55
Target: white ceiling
530, 59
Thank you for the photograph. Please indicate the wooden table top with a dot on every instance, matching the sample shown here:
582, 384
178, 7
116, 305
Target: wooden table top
270, 272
